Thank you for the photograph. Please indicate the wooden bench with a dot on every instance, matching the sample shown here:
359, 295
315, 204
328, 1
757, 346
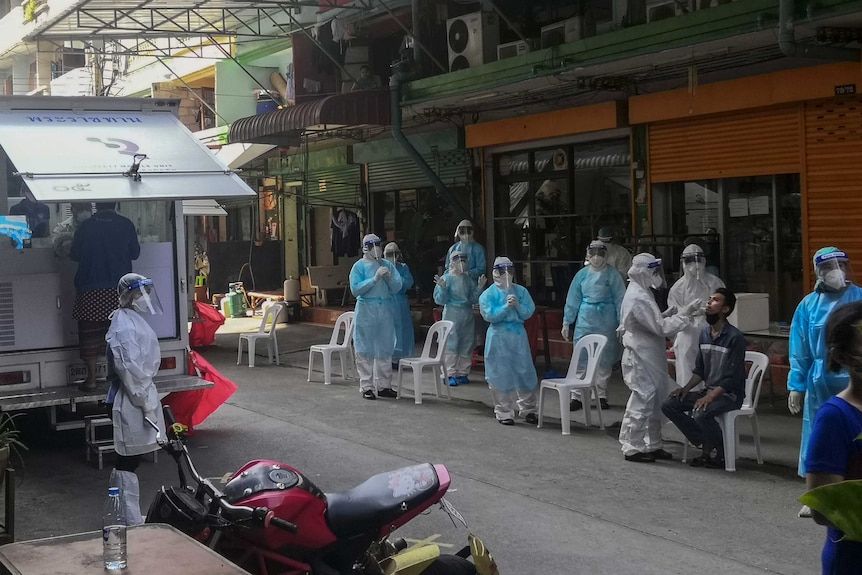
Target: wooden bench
323, 278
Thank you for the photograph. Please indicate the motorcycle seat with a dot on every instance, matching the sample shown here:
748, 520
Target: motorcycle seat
380, 500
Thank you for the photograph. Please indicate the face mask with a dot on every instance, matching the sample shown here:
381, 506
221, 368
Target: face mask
465, 237
376, 252
656, 282
712, 318
503, 281
690, 269
834, 279
458, 268
597, 261
392, 258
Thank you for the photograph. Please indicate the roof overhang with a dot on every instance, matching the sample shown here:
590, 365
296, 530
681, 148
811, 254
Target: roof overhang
203, 208
235, 156
73, 149
284, 127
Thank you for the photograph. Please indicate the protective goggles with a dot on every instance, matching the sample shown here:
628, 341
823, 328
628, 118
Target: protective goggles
836, 256
693, 258
374, 243
597, 251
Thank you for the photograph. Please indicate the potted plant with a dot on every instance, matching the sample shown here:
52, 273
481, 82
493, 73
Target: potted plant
10, 441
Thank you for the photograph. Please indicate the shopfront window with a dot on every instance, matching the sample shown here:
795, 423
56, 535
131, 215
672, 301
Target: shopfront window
751, 228
551, 202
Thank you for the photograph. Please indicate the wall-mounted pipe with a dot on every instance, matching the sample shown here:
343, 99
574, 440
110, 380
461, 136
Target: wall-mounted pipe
395, 113
793, 49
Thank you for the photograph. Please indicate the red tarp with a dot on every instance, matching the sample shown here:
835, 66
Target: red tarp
207, 321
193, 407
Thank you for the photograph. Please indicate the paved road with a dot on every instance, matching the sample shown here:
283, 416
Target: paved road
544, 503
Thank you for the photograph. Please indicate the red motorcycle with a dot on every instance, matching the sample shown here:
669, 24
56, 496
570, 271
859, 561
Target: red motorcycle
271, 519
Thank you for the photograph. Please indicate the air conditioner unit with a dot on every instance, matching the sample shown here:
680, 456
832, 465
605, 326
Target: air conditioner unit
73, 58
512, 49
472, 40
553, 35
662, 10
578, 28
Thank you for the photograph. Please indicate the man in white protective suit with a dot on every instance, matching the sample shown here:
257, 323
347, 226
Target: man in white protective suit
644, 365
373, 281
695, 284
133, 359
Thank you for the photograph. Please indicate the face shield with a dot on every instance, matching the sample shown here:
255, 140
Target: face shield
138, 293
464, 231
833, 271
657, 280
597, 255
458, 264
693, 263
371, 246
504, 275
647, 271
392, 253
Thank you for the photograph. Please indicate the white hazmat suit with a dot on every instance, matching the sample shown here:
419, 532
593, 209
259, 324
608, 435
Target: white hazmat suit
466, 244
618, 256
134, 358
373, 281
695, 284
644, 362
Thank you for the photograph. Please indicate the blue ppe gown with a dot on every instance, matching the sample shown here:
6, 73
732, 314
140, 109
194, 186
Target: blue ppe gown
809, 356
374, 322
508, 360
593, 305
457, 298
405, 340
476, 263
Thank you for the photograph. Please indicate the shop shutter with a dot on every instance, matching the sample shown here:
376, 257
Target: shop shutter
337, 187
750, 144
832, 181
452, 166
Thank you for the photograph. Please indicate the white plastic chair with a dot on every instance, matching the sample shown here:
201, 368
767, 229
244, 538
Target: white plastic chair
269, 317
441, 331
727, 421
343, 349
593, 345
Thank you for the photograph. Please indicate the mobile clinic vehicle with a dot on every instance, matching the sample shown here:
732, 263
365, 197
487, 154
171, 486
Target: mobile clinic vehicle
58, 150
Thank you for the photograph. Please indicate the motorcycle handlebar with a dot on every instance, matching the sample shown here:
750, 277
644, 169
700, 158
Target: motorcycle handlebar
260, 515
286, 525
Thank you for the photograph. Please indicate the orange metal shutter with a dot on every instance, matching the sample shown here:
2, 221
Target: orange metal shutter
832, 181
749, 144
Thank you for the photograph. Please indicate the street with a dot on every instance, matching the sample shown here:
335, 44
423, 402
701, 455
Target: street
542, 502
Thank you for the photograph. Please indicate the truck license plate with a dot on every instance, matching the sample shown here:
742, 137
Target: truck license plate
77, 372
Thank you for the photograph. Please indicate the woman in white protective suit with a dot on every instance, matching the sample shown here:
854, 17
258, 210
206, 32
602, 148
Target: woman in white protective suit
644, 363
466, 244
695, 284
373, 281
133, 359
457, 292
405, 339
509, 368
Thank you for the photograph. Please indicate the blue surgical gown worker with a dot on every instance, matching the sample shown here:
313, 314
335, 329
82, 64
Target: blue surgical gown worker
509, 368
466, 244
810, 382
373, 281
457, 292
405, 339
593, 305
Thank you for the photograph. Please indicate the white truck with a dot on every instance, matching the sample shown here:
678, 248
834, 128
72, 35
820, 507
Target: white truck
58, 150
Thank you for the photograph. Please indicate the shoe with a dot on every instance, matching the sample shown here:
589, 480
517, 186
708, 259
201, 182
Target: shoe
531, 418
387, 392
462, 380
641, 457
805, 512
714, 463
604, 403
507, 421
453, 382
697, 462
394, 366
575, 405
368, 394
662, 454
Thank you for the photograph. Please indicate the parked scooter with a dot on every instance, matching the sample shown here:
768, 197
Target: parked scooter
271, 519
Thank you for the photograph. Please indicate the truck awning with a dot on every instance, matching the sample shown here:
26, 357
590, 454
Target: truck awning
66, 154
203, 208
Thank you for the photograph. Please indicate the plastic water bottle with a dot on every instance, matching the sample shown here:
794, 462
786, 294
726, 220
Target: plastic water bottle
114, 531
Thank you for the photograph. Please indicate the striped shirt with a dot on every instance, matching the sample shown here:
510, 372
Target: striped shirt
721, 361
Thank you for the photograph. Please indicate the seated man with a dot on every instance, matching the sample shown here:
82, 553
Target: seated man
720, 364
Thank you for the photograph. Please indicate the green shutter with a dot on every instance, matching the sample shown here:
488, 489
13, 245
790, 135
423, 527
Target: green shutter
452, 166
339, 186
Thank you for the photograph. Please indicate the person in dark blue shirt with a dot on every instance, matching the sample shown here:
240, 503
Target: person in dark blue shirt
834, 449
720, 365
104, 247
